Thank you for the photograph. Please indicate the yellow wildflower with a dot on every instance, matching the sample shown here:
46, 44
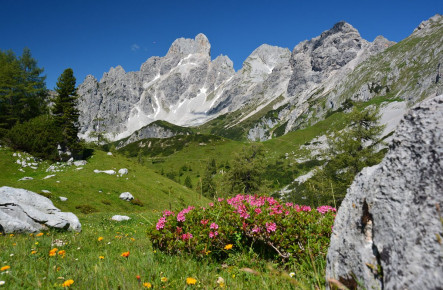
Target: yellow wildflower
147, 285
11, 235
62, 253
101, 257
33, 252
191, 281
39, 235
221, 282
228, 247
100, 239
164, 279
68, 283
36, 243
4, 268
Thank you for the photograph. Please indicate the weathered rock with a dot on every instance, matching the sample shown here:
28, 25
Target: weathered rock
49, 176
110, 172
123, 171
126, 196
120, 218
25, 211
25, 178
388, 231
80, 163
62, 198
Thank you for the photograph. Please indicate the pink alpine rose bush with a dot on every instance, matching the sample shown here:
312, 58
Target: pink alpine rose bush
281, 229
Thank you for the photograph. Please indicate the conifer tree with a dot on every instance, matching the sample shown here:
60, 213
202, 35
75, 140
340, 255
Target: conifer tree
246, 173
350, 150
65, 111
22, 88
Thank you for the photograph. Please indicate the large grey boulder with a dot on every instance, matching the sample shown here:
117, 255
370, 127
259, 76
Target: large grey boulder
26, 211
388, 231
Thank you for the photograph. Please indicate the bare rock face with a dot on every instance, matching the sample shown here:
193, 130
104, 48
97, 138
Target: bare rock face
178, 88
26, 211
388, 231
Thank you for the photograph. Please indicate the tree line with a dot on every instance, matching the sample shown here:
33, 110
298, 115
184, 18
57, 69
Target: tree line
32, 121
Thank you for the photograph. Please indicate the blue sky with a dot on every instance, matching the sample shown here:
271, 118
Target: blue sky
92, 36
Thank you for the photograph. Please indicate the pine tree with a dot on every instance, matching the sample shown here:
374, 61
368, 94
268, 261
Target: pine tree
245, 175
32, 100
22, 89
188, 182
65, 111
208, 185
350, 150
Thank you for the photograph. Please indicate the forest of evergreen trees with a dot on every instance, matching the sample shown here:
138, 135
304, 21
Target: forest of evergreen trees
29, 119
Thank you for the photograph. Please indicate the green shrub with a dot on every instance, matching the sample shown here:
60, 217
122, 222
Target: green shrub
284, 231
38, 136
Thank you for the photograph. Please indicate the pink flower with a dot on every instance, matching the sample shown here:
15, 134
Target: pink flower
271, 227
167, 213
257, 210
181, 217
204, 222
306, 208
187, 236
220, 199
213, 226
211, 204
161, 223
256, 229
213, 234
325, 208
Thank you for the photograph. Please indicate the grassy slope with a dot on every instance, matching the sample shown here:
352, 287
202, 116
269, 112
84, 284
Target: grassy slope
30, 270
82, 187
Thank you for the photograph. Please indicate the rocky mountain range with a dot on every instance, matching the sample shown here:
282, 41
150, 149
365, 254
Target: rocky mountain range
275, 91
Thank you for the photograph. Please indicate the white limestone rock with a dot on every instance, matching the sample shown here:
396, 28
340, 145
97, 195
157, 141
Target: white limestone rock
120, 218
26, 211
386, 233
78, 163
110, 172
126, 196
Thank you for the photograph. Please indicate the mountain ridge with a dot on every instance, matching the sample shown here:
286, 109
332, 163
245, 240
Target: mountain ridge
187, 88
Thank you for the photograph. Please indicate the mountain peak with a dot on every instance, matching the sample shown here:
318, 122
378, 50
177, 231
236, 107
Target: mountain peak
185, 46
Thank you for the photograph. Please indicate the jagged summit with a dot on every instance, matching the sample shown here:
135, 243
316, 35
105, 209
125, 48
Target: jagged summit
435, 20
186, 46
186, 88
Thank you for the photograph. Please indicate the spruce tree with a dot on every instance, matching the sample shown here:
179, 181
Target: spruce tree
65, 111
246, 173
32, 99
22, 88
350, 150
